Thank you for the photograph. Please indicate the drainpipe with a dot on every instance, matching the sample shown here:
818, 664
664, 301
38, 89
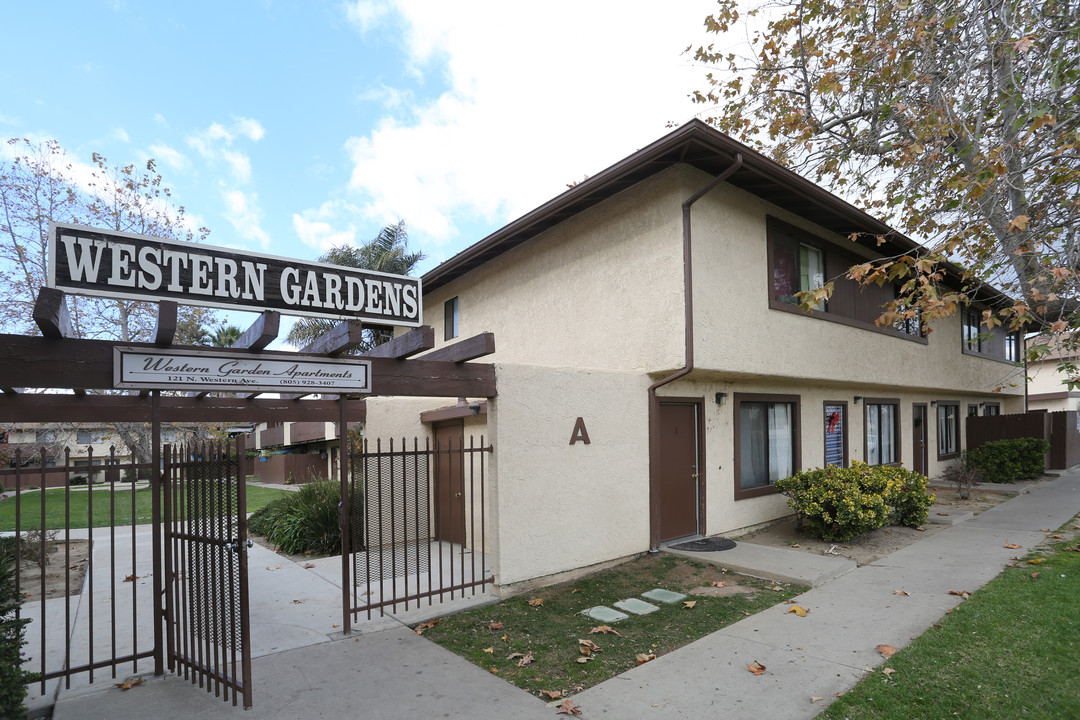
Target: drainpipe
688, 364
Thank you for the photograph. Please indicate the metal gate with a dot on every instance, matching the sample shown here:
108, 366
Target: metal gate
398, 554
207, 624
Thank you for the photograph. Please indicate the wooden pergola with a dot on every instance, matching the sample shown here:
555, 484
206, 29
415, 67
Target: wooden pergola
59, 361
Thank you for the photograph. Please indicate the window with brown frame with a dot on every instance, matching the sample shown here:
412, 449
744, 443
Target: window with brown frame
881, 431
993, 343
948, 430
800, 262
450, 319
767, 444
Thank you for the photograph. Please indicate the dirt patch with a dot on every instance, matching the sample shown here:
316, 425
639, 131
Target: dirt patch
64, 570
877, 544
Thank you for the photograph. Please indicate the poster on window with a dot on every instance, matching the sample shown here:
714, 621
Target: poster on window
834, 435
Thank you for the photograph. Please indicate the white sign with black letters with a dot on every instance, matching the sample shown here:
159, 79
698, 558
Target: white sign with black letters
208, 370
106, 263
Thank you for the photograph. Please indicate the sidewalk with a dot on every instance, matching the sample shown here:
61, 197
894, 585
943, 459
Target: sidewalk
392, 673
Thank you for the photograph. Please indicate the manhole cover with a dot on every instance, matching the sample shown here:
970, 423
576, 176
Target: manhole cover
713, 544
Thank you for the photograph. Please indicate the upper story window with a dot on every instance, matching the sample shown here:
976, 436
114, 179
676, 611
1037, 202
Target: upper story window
800, 262
995, 343
450, 319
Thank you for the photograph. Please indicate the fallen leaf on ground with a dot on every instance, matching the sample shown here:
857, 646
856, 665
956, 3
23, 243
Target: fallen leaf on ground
798, 610
308, 566
643, 658
887, 651
757, 668
522, 658
1044, 529
276, 567
815, 698
335, 625
606, 629
1057, 537
1037, 561
568, 708
588, 646
689, 604
131, 578
1034, 575
887, 671
901, 592
537, 602
575, 590
298, 602
717, 583
776, 587
943, 514
494, 670
128, 684
961, 593
505, 637
585, 659
494, 626
551, 694
489, 650
426, 625
1013, 547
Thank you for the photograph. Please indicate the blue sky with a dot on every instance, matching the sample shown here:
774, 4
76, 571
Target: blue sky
286, 127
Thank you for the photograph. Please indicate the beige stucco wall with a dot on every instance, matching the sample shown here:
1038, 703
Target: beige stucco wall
737, 332
601, 290
1044, 379
557, 506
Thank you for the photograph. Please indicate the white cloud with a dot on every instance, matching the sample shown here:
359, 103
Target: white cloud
239, 163
366, 14
320, 234
8, 119
120, 134
243, 213
252, 129
170, 156
535, 101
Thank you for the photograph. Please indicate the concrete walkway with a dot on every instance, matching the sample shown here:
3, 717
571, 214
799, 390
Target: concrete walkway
389, 672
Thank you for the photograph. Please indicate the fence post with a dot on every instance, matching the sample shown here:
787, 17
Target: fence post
155, 513
344, 514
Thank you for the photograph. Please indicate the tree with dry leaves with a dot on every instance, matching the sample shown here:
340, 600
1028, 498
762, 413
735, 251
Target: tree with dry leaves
957, 122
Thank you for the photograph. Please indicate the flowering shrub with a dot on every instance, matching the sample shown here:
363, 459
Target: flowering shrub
842, 503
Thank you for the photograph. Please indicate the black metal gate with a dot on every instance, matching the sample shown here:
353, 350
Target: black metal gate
207, 625
398, 555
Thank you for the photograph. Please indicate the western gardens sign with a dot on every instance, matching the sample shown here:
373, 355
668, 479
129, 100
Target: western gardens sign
90, 261
104, 263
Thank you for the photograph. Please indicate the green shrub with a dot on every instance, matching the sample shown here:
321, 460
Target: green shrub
305, 521
13, 679
1006, 461
841, 503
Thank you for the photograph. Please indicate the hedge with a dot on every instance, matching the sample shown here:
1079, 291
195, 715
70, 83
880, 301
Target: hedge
842, 503
1006, 461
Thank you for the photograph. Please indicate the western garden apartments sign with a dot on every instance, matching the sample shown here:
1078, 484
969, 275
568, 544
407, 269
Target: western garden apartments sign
104, 263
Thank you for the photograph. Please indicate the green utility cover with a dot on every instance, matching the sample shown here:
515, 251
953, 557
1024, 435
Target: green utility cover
638, 607
604, 614
664, 596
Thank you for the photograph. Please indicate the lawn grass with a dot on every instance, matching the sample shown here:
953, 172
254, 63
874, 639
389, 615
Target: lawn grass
550, 632
1010, 651
30, 507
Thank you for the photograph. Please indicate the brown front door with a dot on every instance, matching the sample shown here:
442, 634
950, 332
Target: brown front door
918, 437
449, 483
679, 487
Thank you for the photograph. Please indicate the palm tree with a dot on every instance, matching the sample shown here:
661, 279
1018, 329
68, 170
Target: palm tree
226, 335
388, 252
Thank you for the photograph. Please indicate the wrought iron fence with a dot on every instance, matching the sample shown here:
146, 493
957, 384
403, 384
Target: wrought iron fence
417, 523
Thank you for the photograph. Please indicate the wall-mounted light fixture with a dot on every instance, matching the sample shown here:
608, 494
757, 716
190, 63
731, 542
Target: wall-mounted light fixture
857, 399
721, 398
933, 403
475, 407
982, 405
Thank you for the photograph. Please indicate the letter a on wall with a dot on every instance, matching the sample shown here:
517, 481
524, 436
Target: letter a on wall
579, 433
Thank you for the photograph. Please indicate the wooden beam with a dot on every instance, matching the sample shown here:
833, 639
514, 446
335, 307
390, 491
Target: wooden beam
165, 331
464, 350
131, 408
261, 333
51, 314
452, 413
339, 339
415, 341
42, 363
